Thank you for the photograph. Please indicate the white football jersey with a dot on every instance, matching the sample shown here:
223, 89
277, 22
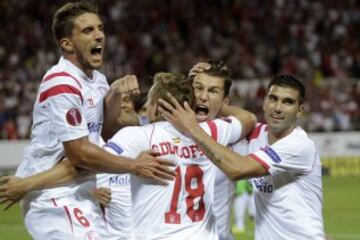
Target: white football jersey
223, 197
69, 105
289, 200
183, 208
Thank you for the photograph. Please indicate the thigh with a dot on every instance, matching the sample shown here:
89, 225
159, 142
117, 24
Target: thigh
62, 218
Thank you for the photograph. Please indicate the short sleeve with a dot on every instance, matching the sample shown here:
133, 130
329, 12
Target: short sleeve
225, 131
66, 114
294, 154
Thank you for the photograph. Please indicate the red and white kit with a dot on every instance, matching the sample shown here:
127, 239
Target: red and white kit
69, 105
183, 208
289, 200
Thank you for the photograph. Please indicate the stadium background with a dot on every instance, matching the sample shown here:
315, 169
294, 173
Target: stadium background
318, 41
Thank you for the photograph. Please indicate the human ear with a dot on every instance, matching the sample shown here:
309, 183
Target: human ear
67, 45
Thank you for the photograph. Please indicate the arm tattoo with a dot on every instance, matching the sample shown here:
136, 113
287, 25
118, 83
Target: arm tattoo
209, 153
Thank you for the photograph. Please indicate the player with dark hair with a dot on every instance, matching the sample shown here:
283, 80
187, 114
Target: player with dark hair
67, 121
182, 209
283, 162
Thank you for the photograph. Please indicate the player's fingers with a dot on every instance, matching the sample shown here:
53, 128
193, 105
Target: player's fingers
174, 101
166, 106
163, 173
165, 114
5, 179
9, 205
159, 180
187, 107
152, 153
2, 201
166, 162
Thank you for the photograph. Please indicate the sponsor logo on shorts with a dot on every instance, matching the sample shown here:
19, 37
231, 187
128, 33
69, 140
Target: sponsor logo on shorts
272, 154
73, 117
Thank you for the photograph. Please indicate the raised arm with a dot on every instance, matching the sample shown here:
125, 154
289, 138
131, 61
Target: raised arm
232, 164
114, 117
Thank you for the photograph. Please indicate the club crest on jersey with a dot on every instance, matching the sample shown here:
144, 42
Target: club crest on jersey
73, 117
272, 154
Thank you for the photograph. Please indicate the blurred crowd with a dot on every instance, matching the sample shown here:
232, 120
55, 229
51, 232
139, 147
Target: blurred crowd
317, 41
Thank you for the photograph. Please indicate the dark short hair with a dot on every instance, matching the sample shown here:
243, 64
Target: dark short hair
139, 101
63, 19
285, 80
177, 84
221, 70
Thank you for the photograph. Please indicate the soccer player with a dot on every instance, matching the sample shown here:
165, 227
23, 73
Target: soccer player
182, 209
212, 83
67, 120
117, 207
283, 160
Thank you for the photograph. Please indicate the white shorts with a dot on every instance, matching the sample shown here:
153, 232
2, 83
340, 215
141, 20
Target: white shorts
69, 217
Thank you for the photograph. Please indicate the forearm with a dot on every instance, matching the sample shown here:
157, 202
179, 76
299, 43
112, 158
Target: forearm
111, 124
61, 174
232, 164
247, 119
84, 154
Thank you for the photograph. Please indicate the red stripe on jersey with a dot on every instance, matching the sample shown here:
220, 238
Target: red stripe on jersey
256, 132
213, 130
259, 160
59, 89
61, 74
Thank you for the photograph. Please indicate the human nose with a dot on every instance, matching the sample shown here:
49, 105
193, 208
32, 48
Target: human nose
99, 34
278, 106
203, 95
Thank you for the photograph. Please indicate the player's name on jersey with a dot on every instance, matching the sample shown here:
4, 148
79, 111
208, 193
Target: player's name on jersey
167, 148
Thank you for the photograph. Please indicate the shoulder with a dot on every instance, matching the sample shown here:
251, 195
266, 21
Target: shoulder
298, 142
259, 130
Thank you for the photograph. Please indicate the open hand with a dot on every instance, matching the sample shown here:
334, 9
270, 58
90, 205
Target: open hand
199, 68
12, 190
182, 118
148, 165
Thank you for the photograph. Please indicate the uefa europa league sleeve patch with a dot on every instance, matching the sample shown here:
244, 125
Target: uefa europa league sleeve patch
73, 117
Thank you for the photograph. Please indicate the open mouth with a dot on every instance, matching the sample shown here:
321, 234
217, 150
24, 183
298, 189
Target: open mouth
96, 51
201, 110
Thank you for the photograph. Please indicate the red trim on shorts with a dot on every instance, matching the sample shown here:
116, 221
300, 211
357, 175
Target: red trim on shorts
69, 218
59, 89
54, 202
259, 160
61, 74
213, 130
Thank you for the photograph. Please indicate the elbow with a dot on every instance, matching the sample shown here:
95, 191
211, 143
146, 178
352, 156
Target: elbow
234, 176
79, 153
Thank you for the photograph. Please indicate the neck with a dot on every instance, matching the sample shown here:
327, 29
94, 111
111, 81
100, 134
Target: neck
274, 136
73, 59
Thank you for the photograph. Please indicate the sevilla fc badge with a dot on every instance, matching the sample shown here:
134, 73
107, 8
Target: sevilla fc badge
73, 117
